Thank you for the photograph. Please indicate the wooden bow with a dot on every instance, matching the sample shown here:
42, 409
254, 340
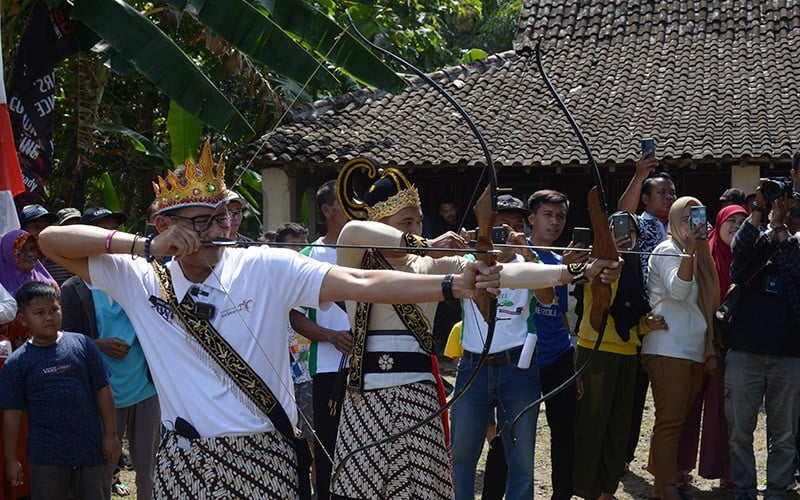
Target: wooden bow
485, 212
603, 246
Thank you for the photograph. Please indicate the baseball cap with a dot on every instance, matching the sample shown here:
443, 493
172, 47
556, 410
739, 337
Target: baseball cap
234, 196
94, 214
68, 215
32, 212
506, 202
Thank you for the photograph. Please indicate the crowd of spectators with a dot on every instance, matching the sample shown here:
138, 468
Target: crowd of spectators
660, 333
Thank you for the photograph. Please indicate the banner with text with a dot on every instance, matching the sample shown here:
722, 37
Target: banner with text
48, 40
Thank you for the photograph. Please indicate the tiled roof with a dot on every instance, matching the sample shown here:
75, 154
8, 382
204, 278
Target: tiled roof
708, 80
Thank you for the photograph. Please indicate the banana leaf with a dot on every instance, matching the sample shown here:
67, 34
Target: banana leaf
184, 133
321, 33
159, 59
258, 36
110, 199
140, 143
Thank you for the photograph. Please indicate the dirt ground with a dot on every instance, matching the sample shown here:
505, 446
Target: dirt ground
637, 482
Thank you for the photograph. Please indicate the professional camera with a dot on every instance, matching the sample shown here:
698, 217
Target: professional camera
776, 187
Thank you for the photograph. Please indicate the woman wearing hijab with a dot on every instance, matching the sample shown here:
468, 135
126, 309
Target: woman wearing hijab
683, 287
715, 460
19, 263
605, 411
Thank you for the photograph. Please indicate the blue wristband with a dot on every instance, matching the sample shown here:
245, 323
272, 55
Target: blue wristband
147, 241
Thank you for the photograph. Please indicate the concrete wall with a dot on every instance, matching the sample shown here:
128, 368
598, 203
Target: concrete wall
278, 194
745, 177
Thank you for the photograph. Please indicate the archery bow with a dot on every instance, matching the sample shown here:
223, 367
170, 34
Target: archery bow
603, 246
485, 211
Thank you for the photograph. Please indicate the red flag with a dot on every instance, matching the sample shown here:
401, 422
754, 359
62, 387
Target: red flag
10, 173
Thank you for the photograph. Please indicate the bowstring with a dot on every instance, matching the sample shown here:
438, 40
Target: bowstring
246, 168
277, 372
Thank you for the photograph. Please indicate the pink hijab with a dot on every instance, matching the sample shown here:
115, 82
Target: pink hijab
721, 251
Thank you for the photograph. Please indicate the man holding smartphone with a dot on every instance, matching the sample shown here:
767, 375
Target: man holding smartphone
657, 192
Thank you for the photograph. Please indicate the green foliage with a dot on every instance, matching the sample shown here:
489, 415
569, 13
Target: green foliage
157, 56
184, 133
121, 123
140, 143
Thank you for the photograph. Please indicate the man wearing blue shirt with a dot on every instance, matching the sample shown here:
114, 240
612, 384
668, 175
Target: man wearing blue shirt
555, 352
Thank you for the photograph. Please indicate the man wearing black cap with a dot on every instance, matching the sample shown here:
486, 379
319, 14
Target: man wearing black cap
96, 315
34, 218
505, 384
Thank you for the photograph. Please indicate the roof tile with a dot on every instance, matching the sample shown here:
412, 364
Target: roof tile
705, 79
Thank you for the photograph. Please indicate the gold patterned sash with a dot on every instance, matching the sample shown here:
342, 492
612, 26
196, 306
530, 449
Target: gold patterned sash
216, 353
411, 315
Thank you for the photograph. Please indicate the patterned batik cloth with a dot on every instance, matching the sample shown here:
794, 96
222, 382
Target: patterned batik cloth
252, 466
417, 465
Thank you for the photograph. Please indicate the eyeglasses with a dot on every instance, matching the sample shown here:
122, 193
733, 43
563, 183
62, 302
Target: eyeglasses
202, 223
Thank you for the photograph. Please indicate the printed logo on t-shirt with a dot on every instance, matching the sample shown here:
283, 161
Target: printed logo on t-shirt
162, 309
516, 311
243, 306
57, 369
549, 310
506, 306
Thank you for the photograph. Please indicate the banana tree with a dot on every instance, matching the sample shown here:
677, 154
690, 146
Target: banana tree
290, 38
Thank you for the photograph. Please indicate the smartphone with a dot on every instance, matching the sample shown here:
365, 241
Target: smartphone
621, 225
499, 235
697, 217
582, 235
649, 146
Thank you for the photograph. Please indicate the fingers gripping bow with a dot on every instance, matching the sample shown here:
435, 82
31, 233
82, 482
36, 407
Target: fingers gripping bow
603, 246
485, 211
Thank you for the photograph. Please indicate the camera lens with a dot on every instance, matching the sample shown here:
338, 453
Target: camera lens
772, 189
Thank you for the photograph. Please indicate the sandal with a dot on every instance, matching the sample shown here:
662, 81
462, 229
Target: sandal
120, 489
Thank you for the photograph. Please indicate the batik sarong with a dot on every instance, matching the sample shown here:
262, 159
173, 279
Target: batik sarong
252, 466
417, 465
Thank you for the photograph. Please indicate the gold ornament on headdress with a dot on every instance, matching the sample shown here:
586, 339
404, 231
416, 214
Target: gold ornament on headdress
354, 208
203, 184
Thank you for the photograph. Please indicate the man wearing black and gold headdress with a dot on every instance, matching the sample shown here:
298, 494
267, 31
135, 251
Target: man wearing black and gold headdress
392, 373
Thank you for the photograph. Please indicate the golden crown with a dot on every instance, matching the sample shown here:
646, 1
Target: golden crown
202, 184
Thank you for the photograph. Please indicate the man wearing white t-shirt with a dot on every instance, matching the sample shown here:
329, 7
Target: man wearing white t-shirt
329, 329
218, 441
501, 384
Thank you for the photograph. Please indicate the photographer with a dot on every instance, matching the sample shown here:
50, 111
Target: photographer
764, 358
